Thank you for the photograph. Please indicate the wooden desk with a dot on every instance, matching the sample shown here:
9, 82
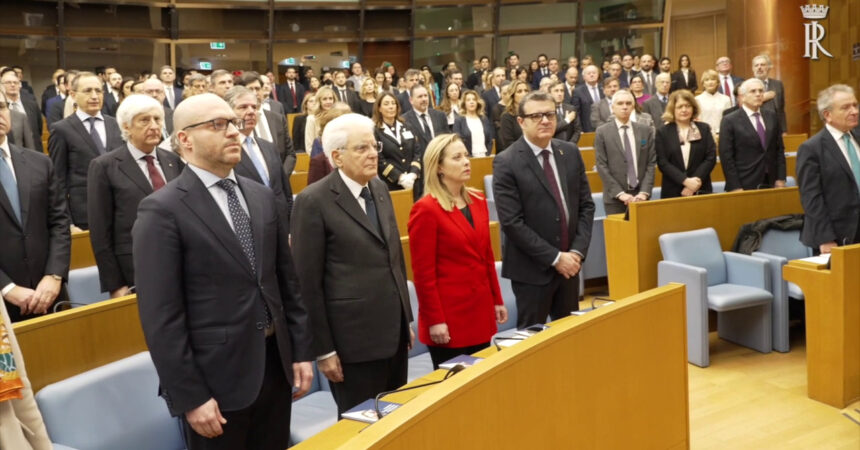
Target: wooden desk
632, 249
303, 162
64, 344
792, 141
82, 251
402, 202
832, 301
586, 139
298, 181
481, 166
290, 119
566, 387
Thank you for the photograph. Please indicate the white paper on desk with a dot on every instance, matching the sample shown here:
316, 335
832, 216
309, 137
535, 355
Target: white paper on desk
508, 342
820, 259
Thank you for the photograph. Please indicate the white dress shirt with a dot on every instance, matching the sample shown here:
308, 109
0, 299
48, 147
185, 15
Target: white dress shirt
138, 156
837, 135
262, 129
711, 107
429, 120
218, 194
476, 127
100, 125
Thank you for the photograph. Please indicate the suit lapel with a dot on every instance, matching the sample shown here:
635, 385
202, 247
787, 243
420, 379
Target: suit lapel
384, 208
129, 167
528, 158
23, 181
201, 203
171, 170
562, 171
675, 144
85, 134
248, 169
832, 148
641, 155
747, 124
344, 199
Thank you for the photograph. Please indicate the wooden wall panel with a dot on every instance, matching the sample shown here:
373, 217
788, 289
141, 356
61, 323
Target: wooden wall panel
701, 36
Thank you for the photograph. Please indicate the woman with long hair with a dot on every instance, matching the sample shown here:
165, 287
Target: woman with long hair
325, 99
473, 127
399, 155
637, 88
509, 129
450, 104
367, 96
685, 76
459, 298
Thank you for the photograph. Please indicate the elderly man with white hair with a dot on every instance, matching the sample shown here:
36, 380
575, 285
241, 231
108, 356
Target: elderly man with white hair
751, 148
346, 240
118, 180
774, 92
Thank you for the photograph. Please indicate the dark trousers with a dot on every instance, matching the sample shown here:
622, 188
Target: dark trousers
364, 380
442, 354
263, 425
556, 299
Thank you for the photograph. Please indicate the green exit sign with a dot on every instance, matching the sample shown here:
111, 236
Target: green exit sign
217, 45
204, 65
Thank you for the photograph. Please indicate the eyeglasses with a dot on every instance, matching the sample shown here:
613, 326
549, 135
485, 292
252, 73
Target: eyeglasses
539, 116
219, 124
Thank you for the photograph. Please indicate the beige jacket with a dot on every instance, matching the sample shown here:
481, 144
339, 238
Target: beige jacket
21, 425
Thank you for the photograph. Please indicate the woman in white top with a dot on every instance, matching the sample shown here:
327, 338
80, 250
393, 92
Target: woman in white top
450, 104
712, 103
473, 126
325, 100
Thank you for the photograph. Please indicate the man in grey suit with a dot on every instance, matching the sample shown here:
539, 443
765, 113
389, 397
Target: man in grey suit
656, 105
601, 111
20, 132
78, 139
774, 91
546, 211
260, 161
25, 104
34, 228
351, 265
217, 292
625, 156
116, 183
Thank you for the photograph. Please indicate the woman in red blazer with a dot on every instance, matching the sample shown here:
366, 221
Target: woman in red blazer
459, 300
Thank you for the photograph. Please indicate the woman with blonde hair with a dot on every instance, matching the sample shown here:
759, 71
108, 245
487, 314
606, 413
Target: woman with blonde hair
459, 299
367, 97
473, 126
320, 165
399, 155
711, 102
450, 103
509, 129
325, 99
686, 152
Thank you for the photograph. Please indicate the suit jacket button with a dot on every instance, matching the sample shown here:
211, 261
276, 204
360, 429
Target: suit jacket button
403, 160
260, 325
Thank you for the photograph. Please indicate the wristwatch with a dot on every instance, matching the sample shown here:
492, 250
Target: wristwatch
56, 277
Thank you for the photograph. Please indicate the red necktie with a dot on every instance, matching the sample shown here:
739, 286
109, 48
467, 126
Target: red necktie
154, 175
553, 185
293, 92
728, 91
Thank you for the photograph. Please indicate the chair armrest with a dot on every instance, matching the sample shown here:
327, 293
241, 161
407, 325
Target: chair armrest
747, 270
695, 278
779, 287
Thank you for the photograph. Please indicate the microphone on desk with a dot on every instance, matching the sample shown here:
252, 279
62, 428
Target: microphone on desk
448, 374
496, 340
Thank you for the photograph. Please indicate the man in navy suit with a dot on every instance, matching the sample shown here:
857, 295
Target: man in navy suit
751, 148
828, 173
727, 80
172, 94
292, 93
218, 296
627, 71
588, 94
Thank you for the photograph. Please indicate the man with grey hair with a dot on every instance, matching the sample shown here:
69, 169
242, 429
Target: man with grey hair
656, 105
828, 173
774, 92
217, 292
586, 95
220, 82
625, 156
155, 89
352, 270
260, 161
751, 148
405, 98
116, 183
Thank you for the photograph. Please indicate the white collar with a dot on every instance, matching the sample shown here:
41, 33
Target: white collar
352, 185
208, 178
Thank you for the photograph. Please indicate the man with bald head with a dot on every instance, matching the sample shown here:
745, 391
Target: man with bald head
217, 292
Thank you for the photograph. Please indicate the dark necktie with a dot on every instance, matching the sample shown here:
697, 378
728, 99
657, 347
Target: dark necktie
154, 176
427, 129
342, 95
242, 228
759, 128
293, 92
370, 208
97, 140
556, 193
632, 179
560, 113
727, 90
9, 185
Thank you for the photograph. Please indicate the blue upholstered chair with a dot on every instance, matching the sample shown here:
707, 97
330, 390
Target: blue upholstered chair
734, 285
420, 363
110, 407
84, 287
778, 247
509, 299
314, 412
491, 201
